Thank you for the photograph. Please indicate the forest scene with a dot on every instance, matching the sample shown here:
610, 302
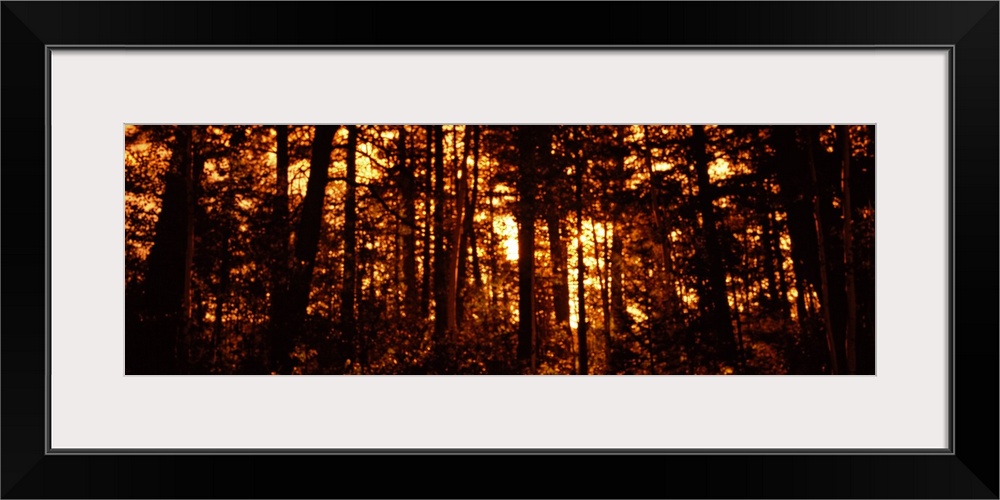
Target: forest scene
500, 249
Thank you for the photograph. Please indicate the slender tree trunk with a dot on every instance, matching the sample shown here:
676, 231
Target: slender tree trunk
280, 219
440, 252
469, 237
558, 258
850, 340
717, 309
794, 182
824, 280
602, 255
470, 228
527, 149
491, 254
455, 252
619, 321
348, 291
663, 265
409, 228
581, 274
288, 322
280, 224
774, 265
559, 261
461, 293
772, 262
619, 314
192, 181
425, 297
800, 300
221, 297
739, 334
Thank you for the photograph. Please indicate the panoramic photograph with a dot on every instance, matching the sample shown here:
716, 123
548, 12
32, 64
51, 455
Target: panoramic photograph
470, 249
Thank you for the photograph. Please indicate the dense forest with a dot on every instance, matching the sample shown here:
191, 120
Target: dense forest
488, 249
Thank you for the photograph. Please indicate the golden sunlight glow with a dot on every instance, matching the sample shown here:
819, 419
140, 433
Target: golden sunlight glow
366, 168
510, 247
298, 177
506, 228
688, 295
719, 169
590, 263
785, 242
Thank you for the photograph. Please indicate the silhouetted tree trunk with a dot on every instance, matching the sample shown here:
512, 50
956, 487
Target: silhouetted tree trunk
280, 218
468, 241
850, 340
193, 182
425, 296
440, 253
492, 259
581, 274
793, 181
347, 292
774, 264
526, 185
771, 261
409, 227
560, 295
288, 321
663, 264
470, 213
558, 257
603, 255
716, 307
455, 250
280, 225
167, 285
619, 315
491, 245
824, 280
221, 297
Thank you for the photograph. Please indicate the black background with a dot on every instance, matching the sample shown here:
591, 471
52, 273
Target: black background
971, 472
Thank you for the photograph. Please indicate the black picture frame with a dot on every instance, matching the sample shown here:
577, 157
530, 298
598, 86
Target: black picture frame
969, 29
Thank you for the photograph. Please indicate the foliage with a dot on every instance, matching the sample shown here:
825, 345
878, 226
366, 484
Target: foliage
667, 216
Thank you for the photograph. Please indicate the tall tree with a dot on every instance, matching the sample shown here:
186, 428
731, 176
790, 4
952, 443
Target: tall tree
527, 146
793, 182
192, 180
850, 338
287, 321
773, 262
280, 227
470, 213
554, 214
831, 344
409, 226
716, 302
166, 301
581, 273
425, 287
619, 314
440, 240
280, 218
455, 250
347, 292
